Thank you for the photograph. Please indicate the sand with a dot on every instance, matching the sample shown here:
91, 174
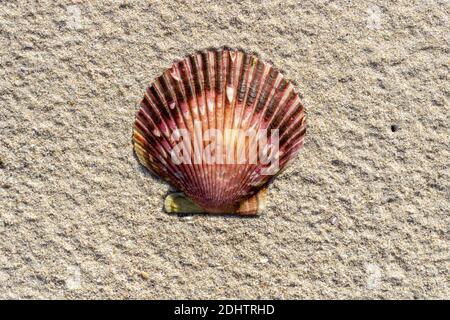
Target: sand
362, 213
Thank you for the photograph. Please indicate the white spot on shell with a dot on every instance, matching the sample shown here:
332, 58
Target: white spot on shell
165, 129
172, 105
230, 93
163, 161
233, 55
174, 74
164, 154
210, 105
156, 132
265, 149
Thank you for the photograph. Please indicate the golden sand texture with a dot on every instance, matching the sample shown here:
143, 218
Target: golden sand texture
362, 213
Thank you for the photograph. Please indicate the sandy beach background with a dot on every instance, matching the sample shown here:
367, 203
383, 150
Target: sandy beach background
362, 213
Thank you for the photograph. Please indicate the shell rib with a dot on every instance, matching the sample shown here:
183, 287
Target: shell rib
226, 93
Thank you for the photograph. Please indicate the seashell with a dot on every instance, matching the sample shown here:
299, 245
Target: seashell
219, 125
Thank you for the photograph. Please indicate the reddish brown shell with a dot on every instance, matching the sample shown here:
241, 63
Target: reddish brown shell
223, 90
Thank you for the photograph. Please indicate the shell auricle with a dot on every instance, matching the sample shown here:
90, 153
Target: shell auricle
219, 125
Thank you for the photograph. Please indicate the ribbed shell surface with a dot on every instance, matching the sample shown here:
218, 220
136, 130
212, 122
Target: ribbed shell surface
231, 92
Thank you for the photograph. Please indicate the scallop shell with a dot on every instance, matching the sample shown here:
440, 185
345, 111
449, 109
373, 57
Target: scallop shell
198, 125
